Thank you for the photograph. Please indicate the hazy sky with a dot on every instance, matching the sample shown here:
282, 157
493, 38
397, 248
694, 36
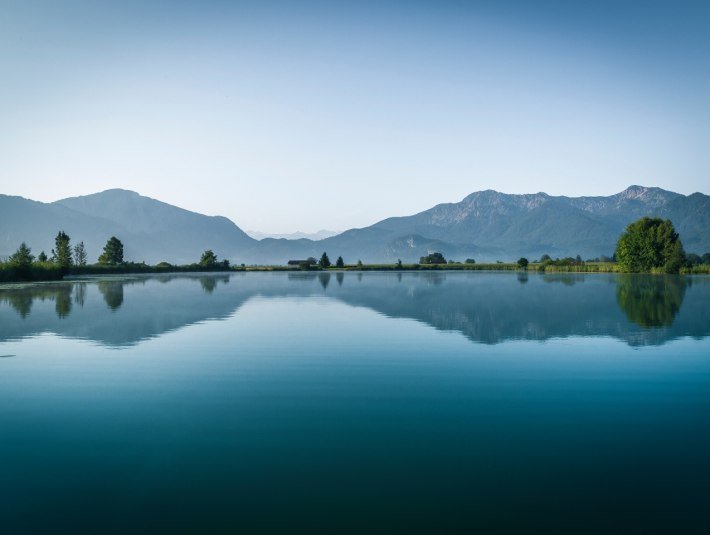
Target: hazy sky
294, 115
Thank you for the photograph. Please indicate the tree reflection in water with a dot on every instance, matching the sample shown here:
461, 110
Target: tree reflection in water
112, 292
652, 300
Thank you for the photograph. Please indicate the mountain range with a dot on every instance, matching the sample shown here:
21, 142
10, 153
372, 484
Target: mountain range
486, 225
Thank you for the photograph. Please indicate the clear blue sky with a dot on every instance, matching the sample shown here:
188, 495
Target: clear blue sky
306, 115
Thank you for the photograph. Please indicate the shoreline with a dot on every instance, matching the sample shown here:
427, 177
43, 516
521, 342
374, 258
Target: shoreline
55, 275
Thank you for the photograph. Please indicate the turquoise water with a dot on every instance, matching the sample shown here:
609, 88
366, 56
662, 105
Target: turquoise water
362, 402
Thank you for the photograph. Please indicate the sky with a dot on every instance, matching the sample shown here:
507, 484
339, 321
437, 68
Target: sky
289, 115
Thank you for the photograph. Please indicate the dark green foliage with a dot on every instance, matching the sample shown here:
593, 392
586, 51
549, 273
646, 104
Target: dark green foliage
80, 254
22, 258
113, 253
36, 272
545, 258
340, 262
399, 264
650, 244
62, 250
651, 301
324, 261
706, 258
42, 257
523, 263
208, 259
359, 263
470, 261
433, 258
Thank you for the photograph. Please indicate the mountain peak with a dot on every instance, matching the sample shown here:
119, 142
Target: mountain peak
648, 195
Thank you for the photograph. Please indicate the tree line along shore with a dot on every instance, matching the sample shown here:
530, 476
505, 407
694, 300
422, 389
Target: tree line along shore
649, 245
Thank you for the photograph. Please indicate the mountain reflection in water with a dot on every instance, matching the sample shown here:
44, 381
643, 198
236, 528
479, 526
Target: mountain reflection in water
486, 307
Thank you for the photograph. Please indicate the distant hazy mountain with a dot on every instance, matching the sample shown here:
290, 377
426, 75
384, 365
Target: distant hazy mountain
150, 230
489, 225
486, 225
298, 235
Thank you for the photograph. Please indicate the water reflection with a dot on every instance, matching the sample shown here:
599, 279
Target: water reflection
486, 307
210, 283
651, 301
113, 293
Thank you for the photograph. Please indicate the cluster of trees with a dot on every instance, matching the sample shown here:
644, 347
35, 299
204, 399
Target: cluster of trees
209, 260
566, 261
433, 258
64, 256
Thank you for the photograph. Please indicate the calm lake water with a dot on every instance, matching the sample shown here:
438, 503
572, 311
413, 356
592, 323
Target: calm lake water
375, 402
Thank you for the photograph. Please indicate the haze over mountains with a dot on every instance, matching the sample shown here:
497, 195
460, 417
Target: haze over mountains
315, 236
486, 225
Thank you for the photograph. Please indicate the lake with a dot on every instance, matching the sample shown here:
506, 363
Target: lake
360, 402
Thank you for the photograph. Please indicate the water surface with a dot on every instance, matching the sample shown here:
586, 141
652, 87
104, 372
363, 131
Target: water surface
356, 402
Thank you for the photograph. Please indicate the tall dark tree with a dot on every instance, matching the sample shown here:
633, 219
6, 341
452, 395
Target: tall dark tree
62, 250
208, 259
80, 254
324, 261
523, 263
113, 252
42, 257
650, 244
340, 262
22, 258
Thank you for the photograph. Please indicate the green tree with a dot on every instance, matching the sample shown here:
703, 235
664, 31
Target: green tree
62, 250
398, 265
324, 261
523, 263
208, 259
433, 258
706, 258
359, 263
339, 262
113, 252
80, 254
22, 258
470, 261
650, 244
42, 257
